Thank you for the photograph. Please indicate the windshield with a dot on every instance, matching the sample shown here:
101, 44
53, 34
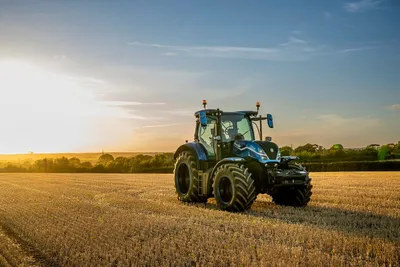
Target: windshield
236, 126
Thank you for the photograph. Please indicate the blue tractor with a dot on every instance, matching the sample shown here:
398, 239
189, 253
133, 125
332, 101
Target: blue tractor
225, 161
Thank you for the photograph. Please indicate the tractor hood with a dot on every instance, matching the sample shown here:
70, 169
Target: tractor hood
262, 151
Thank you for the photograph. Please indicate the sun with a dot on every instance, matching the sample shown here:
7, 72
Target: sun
38, 110
41, 110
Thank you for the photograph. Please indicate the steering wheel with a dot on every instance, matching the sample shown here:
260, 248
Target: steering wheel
227, 129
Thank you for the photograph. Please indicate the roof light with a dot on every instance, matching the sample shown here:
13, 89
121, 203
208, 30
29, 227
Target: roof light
204, 103
258, 106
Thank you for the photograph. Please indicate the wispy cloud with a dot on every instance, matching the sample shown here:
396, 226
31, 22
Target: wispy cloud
293, 49
128, 103
180, 112
86, 80
362, 5
169, 54
327, 14
166, 125
394, 107
222, 49
294, 40
60, 57
356, 49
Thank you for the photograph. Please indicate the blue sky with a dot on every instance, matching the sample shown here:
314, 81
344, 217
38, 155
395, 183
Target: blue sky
327, 70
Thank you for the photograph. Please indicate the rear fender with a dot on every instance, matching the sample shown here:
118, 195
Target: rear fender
197, 150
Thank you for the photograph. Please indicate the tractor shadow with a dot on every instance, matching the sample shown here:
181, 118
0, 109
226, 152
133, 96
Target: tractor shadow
358, 223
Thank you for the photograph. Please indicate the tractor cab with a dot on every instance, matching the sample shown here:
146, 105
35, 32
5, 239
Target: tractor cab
218, 131
233, 126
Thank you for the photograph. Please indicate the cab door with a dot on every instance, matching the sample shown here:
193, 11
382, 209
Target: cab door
206, 136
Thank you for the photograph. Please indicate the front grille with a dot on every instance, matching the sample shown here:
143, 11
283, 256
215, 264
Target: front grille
267, 148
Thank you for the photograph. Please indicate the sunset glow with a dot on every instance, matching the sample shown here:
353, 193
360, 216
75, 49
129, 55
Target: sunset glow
44, 111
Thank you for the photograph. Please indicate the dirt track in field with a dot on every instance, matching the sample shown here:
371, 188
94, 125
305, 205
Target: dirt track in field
353, 219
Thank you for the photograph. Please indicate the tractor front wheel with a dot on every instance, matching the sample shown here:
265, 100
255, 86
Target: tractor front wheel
234, 189
186, 178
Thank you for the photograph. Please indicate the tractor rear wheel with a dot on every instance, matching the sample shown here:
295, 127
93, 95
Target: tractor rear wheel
295, 197
234, 189
186, 178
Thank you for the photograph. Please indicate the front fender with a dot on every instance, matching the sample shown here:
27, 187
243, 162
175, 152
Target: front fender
219, 163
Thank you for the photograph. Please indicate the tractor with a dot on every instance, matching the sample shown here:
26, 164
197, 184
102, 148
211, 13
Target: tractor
225, 161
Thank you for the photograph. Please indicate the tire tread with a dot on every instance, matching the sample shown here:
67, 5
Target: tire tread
244, 186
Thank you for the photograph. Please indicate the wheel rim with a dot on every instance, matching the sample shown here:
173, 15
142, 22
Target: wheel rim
225, 190
183, 178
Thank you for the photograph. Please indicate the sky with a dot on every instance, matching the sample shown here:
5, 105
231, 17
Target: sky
89, 76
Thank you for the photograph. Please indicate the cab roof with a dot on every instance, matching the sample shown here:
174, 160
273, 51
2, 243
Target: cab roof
213, 111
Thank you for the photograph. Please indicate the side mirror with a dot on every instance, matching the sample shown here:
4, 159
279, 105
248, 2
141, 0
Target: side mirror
203, 118
270, 121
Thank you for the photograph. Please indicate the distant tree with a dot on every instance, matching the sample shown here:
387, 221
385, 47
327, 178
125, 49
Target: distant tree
27, 164
61, 164
119, 164
159, 160
286, 150
397, 150
337, 147
43, 165
86, 164
369, 153
311, 148
386, 152
105, 158
142, 157
374, 146
98, 169
75, 162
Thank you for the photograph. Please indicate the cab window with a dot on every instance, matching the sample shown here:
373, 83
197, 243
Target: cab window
206, 135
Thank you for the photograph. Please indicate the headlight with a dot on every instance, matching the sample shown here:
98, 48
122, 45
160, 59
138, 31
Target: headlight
278, 156
262, 153
259, 152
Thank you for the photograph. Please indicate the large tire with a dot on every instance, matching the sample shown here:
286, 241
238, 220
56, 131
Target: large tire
296, 197
186, 178
234, 189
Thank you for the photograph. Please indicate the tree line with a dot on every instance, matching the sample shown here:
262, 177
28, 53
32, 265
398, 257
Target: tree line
313, 156
106, 163
316, 153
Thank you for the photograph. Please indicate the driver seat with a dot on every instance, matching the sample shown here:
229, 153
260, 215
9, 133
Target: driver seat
239, 137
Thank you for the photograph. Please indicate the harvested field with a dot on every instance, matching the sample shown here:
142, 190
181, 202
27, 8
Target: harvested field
353, 219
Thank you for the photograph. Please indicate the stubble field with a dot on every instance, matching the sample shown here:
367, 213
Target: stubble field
353, 219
